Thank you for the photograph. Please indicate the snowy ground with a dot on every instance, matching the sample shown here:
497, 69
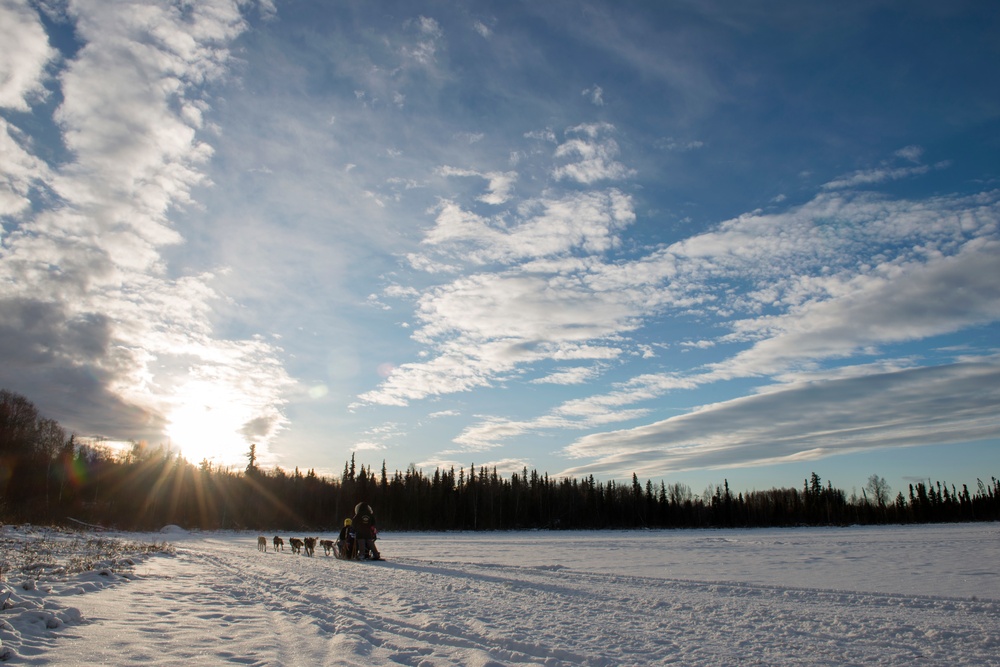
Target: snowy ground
926, 595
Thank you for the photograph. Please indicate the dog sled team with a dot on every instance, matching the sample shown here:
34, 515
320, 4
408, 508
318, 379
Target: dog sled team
358, 536
355, 542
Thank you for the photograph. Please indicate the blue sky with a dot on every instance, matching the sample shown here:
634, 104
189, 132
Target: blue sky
694, 241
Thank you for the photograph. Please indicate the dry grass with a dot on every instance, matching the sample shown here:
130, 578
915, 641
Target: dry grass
51, 552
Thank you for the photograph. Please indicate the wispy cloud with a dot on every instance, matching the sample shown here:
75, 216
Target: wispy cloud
484, 30
933, 405
572, 375
543, 228
833, 278
89, 276
885, 172
871, 176
22, 172
499, 184
672, 144
591, 154
595, 94
909, 301
26, 54
427, 43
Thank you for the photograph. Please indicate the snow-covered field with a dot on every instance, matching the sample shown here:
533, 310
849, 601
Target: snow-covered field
927, 595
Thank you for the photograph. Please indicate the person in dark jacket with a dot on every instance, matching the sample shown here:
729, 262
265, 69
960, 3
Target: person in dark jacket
345, 542
364, 533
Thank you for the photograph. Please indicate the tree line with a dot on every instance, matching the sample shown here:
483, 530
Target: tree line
47, 477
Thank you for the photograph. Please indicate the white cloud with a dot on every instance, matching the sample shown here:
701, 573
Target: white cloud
93, 268
471, 137
19, 172
481, 328
885, 172
933, 405
547, 227
483, 29
836, 277
529, 316
871, 176
429, 26
911, 153
572, 375
824, 280
579, 414
499, 184
367, 446
424, 50
916, 301
449, 372
490, 433
268, 10
576, 414
546, 135
593, 154
604, 407
672, 144
24, 54
595, 94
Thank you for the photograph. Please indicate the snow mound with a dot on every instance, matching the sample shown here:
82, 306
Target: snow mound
173, 530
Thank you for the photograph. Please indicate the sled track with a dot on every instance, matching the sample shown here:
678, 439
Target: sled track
521, 615
355, 601
220, 601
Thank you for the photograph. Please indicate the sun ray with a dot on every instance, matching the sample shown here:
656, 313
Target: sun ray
206, 422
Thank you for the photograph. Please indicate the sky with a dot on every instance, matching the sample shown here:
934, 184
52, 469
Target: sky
694, 241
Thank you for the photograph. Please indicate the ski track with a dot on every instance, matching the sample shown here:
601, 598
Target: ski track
220, 601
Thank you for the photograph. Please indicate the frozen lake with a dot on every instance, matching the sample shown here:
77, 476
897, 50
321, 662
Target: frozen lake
946, 560
923, 595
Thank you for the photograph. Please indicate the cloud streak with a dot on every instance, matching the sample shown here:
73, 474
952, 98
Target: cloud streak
822, 281
953, 403
839, 276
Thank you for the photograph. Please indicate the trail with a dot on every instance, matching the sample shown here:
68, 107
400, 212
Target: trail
220, 601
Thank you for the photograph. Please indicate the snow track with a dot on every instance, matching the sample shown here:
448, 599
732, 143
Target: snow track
220, 601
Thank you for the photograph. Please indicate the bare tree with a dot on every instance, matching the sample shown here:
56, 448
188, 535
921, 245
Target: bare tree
879, 489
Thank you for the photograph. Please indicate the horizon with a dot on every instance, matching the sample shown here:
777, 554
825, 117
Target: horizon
375, 468
692, 243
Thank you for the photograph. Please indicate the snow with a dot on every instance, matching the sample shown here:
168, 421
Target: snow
837, 596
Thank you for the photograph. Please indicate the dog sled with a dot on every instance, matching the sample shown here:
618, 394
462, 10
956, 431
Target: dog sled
346, 547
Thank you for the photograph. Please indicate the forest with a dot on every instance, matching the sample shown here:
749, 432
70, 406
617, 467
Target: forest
49, 478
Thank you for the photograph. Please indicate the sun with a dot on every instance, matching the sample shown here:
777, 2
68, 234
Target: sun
205, 423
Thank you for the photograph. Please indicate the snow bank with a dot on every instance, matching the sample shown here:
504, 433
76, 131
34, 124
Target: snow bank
42, 573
